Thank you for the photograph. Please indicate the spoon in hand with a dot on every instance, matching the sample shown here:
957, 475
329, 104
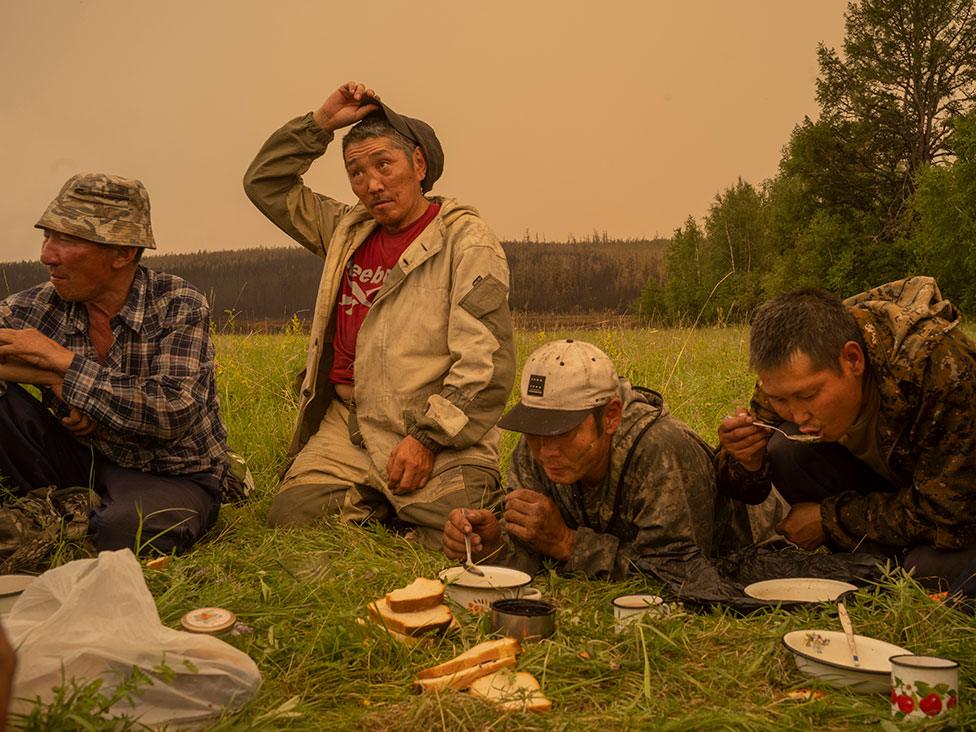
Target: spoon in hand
469, 565
795, 438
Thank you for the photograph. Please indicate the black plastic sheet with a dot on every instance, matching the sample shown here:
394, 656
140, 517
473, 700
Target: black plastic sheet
724, 581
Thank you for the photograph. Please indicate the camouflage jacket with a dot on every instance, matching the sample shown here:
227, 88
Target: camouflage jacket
925, 369
657, 510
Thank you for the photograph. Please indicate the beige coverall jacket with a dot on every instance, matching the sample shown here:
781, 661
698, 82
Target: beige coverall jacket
435, 356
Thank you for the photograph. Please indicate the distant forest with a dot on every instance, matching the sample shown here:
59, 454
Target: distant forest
880, 186
266, 288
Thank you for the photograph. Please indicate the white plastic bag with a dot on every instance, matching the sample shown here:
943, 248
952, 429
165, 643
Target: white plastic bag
96, 618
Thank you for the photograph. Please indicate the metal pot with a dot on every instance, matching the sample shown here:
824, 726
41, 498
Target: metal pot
523, 619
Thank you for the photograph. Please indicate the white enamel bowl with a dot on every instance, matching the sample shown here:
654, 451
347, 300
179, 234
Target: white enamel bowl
476, 593
824, 654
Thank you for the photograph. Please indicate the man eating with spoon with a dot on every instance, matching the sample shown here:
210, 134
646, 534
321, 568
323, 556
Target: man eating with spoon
887, 384
604, 480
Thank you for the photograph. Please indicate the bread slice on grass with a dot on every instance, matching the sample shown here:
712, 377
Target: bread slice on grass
420, 594
511, 690
407, 640
418, 623
464, 677
487, 651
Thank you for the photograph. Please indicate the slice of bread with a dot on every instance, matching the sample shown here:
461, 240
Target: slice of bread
463, 678
517, 691
487, 651
420, 594
407, 640
417, 623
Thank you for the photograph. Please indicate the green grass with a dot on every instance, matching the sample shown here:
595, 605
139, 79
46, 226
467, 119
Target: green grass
304, 591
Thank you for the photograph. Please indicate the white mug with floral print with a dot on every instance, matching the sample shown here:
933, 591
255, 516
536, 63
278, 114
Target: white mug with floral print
923, 687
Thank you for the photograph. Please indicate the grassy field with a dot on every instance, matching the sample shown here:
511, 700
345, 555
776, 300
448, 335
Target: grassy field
302, 592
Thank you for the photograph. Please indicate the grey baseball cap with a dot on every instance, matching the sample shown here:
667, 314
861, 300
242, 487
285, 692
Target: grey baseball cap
418, 132
102, 208
562, 382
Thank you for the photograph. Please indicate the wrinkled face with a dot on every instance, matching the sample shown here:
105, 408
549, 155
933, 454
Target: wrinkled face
80, 270
820, 402
387, 181
579, 454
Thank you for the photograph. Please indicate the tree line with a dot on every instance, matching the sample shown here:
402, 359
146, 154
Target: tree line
881, 186
257, 287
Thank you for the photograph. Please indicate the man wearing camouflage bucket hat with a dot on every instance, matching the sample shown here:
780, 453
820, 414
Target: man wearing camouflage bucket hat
604, 480
125, 365
411, 356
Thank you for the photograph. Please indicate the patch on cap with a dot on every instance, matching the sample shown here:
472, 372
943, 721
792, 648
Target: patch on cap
537, 385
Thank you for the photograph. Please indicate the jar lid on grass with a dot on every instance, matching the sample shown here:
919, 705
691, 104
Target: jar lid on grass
208, 620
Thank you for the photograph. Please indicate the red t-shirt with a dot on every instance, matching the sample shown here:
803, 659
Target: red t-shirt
362, 280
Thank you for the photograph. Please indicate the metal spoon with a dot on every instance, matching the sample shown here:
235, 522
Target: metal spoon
845, 622
795, 438
469, 566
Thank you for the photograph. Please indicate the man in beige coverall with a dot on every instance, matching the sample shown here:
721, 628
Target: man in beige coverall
411, 356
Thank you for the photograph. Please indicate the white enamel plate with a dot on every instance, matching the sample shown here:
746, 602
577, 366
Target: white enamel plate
798, 589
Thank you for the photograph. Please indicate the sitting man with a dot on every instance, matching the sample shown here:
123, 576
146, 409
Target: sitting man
603, 480
886, 382
123, 359
411, 355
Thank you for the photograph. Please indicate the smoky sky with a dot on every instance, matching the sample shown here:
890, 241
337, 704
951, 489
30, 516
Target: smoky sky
557, 118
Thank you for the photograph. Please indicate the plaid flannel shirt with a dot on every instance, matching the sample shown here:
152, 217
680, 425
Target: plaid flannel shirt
154, 398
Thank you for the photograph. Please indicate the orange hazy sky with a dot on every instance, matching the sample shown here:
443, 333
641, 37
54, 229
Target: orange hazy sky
557, 118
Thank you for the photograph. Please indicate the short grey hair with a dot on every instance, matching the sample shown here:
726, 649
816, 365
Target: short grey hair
373, 126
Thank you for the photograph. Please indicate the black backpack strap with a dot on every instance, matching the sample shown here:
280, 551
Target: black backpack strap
630, 456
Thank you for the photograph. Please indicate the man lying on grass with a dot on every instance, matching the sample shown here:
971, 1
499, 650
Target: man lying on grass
604, 479
886, 382
411, 355
124, 362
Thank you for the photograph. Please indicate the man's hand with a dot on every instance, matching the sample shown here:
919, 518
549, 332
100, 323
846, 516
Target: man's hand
803, 526
535, 519
15, 371
78, 423
342, 107
480, 524
33, 348
409, 466
742, 440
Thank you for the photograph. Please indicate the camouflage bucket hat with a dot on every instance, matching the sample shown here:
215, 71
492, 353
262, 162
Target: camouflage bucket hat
102, 208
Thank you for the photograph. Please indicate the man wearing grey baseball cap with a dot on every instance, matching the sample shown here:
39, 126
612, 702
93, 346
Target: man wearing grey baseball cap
128, 428
603, 479
411, 355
